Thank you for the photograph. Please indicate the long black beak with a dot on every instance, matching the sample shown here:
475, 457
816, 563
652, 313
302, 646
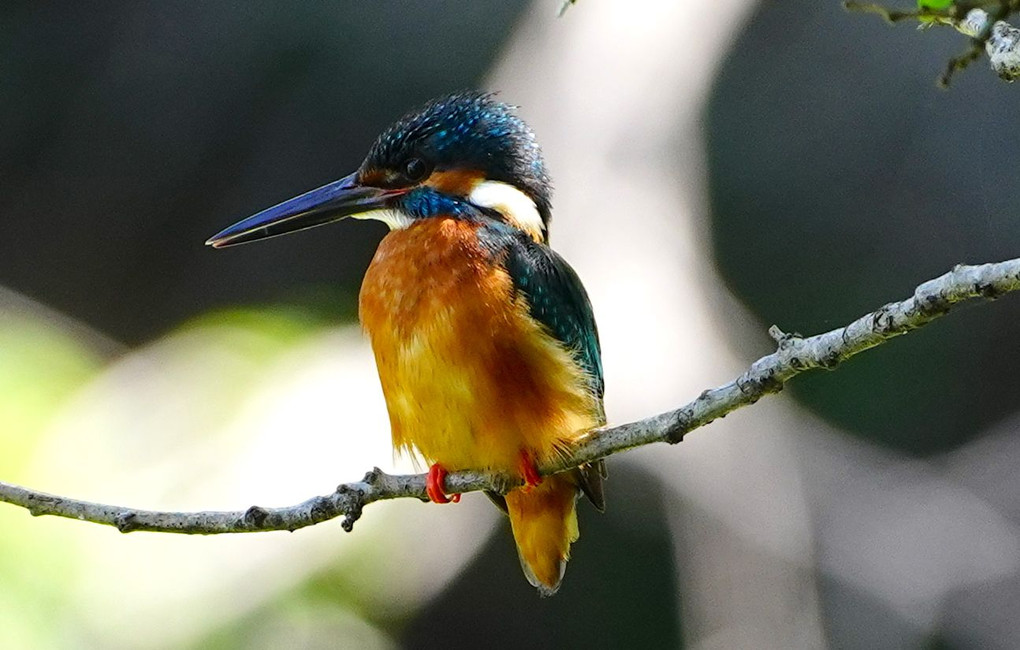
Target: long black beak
332, 202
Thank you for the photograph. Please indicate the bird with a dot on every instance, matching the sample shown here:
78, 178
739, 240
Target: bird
484, 337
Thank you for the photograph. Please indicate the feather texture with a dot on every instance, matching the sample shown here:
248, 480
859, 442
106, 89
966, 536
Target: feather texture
486, 348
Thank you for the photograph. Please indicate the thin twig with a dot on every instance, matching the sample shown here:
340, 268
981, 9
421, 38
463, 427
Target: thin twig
766, 375
989, 34
994, 36
950, 13
890, 15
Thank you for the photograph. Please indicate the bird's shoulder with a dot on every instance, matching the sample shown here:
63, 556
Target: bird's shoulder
554, 293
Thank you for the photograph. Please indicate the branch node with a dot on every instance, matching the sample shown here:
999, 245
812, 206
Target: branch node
347, 523
831, 360
785, 340
883, 320
756, 387
744, 383
373, 477
254, 517
931, 304
987, 290
125, 521
680, 426
352, 501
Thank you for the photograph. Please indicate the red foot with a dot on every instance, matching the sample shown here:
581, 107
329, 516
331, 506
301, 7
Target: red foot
529, 470
434, 486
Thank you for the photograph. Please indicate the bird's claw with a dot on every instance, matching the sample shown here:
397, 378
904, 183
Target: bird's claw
434, 486
529, 471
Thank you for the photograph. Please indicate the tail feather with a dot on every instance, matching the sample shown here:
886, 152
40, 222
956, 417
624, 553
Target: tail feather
544, 522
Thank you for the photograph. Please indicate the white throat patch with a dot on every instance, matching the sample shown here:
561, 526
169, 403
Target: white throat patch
395, 219
516, 206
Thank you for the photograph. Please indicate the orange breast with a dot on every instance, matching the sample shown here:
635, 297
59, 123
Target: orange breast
470, 379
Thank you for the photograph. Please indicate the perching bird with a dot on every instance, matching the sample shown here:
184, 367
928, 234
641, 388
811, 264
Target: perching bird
484, 337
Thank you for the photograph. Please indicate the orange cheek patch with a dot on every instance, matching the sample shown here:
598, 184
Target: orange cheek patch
458, 182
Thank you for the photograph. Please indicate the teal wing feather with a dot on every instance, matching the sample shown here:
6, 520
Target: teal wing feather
557, 299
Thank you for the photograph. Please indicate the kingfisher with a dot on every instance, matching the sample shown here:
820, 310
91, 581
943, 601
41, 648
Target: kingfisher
484, 337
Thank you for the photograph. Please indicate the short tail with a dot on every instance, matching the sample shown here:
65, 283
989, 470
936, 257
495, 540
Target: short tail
544, 522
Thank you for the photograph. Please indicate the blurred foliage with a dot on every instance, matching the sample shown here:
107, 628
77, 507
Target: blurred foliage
271, 326
934, 4
41, 366
45, 366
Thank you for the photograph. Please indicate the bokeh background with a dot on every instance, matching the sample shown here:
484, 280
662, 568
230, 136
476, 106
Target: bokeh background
719, 167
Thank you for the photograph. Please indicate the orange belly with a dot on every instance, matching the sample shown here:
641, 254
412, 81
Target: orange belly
470, 379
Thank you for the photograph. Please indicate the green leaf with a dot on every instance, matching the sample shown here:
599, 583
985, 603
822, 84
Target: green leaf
934, 4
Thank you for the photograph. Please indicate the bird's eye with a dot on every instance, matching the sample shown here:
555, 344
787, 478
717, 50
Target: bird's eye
415, 169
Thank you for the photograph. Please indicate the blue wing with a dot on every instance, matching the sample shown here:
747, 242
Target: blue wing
557, 299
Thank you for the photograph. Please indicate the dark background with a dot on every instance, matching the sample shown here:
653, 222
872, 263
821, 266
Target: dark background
832, 151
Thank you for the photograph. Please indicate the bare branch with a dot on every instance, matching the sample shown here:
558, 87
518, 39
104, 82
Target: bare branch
766, 375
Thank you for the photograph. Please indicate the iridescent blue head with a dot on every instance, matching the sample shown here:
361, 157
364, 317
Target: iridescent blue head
463, 156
